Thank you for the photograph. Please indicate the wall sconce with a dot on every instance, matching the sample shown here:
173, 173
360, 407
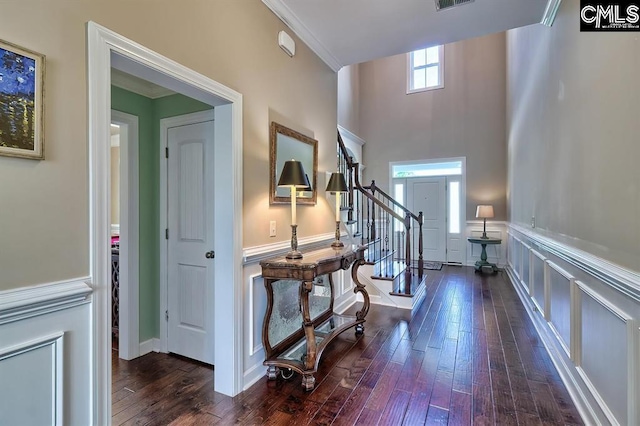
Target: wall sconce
337, 184
484, 212
294, 177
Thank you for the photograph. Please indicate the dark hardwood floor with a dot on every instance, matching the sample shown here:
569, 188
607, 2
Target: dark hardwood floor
469, 355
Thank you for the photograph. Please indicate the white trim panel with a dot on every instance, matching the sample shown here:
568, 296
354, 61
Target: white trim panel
605, 330
255, 339
592, 330
39, 365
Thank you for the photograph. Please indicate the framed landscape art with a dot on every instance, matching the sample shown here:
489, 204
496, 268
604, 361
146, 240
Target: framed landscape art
21, 102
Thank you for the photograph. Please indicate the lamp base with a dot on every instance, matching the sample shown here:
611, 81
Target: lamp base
337, 243
294, 253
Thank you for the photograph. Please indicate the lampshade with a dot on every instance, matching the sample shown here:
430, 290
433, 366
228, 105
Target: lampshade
484, 212
293, 175
307, 187
337, 183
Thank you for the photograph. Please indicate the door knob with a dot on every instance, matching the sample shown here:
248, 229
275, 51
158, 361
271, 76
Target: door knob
210, 254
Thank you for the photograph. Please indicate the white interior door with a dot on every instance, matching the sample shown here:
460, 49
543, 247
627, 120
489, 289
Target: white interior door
427, 195
190, 218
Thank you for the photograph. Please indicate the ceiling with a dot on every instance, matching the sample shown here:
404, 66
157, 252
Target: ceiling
345, 32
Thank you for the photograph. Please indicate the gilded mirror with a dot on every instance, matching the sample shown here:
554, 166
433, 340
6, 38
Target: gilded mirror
287, 144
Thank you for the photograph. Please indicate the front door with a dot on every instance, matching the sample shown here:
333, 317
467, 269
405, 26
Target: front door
190, 218
427, 195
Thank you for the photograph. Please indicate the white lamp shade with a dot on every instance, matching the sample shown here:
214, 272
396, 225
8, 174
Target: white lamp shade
484, 212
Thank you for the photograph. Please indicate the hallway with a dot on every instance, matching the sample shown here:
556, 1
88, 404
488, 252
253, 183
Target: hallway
469, 355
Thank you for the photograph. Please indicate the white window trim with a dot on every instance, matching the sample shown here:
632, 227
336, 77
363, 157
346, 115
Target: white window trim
440, 73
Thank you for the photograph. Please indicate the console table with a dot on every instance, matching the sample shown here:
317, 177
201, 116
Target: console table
482, 263
299, 322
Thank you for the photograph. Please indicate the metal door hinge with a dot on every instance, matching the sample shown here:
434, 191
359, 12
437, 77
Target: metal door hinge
166, 152
166, 234
166, 315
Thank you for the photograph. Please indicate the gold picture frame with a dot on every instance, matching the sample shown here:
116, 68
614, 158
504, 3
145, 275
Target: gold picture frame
21, 102
287, 144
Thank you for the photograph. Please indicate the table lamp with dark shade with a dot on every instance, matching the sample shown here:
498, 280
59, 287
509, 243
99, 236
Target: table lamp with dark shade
484, 212
337, 184
294, 177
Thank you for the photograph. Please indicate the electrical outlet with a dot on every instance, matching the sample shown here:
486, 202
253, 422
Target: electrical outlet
272, 228
533, 221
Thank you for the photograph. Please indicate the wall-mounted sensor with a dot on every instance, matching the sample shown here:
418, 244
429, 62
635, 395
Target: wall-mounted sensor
286, 43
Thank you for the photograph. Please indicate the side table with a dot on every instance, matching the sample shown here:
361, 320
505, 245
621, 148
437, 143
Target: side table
299, 322
482, 263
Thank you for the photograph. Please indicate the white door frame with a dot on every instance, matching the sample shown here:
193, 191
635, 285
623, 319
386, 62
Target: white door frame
165, 124
463, 190
129, 322
102, 45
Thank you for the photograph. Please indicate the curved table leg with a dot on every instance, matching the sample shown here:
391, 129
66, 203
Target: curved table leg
308, 381
360, 288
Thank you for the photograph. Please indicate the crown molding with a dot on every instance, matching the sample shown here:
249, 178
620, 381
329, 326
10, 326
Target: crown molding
286, 15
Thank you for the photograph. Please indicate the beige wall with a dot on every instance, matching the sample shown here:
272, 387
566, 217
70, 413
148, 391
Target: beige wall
573, 135
349, 98
44, 221
466, 118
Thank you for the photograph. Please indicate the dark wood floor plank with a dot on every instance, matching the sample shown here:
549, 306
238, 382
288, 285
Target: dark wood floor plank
482, 404
332, 406
460, 409
395, 409
384, 387
468, 355
418, 406
410, 371
437, 416
547, 407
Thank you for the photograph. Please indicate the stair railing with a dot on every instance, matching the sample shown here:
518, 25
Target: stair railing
381, 222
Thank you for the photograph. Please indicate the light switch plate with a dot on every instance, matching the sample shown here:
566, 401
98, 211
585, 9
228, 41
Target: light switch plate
272, 228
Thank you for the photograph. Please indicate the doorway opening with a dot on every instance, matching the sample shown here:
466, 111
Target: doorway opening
437, 188
107, 49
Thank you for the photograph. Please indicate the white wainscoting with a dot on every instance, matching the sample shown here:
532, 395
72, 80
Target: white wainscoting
496, 253
45, 357
587, 312
255, 298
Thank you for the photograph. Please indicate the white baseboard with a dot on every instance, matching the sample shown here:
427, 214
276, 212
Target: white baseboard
345, 304
252, 375
151, 345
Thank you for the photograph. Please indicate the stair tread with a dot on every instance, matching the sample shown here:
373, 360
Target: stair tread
388, 270
407, 287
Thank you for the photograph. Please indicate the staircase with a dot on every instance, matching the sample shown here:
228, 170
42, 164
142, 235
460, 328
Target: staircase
394, 272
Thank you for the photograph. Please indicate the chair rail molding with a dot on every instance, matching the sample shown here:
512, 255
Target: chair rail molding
255, 254
621, 279
22, 303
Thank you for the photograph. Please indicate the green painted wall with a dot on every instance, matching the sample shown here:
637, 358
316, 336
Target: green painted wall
149, 113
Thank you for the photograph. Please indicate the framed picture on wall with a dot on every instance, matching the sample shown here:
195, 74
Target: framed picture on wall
21, 102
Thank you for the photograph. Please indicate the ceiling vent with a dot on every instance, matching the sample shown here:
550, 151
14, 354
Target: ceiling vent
447, 4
